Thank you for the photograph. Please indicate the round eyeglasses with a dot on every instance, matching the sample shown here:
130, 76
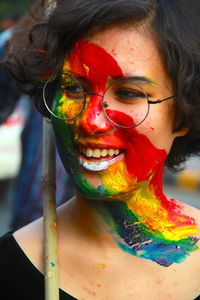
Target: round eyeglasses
125, 103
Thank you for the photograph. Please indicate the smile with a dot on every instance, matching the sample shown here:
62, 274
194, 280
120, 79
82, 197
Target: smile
98, 159
98, 153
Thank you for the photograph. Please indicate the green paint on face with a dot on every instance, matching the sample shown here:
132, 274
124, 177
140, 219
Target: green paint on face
67, 148
143, 222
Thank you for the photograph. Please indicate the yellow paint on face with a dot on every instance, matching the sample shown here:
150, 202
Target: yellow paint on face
68, 108
140, 197
86, 69
156, 217
142, 201
115, 179
66, 66
152, 83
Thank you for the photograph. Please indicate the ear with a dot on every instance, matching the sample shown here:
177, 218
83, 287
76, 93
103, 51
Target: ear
181, 132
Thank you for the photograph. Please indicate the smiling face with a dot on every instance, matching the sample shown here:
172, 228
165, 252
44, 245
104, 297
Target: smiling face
106, 160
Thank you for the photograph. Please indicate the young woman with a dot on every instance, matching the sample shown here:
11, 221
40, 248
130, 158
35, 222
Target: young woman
120, 82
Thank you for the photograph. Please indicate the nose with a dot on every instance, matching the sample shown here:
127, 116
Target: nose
93, 119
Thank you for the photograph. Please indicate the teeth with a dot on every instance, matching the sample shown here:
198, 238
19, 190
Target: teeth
88, 152
104, 152
97, 153
111, 152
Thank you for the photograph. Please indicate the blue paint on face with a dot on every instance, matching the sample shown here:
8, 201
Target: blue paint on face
137, 239
101, 190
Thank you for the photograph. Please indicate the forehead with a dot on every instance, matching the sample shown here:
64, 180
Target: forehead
119, 51
93, 62
133, 49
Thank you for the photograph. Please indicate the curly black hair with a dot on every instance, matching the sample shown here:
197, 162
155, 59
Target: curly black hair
41, 44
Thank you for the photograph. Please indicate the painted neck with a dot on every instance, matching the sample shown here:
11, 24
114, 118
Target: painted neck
144, 223
146, 194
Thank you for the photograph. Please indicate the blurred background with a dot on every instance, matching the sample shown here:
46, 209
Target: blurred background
21, 148
21, 141
11, 10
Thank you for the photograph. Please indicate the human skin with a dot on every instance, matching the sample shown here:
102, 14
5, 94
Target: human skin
126, 198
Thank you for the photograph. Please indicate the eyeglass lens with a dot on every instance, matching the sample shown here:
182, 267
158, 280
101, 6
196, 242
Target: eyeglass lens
69, 100
125, 103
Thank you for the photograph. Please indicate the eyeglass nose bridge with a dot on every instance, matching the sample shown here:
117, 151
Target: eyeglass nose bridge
104, 103
93, 94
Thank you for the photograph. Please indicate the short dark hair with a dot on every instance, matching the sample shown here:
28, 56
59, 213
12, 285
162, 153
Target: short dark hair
175, 24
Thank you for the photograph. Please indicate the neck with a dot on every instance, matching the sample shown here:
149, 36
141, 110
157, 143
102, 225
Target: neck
143, 223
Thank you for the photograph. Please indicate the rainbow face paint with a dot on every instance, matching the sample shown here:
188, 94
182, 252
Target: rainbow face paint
141, 219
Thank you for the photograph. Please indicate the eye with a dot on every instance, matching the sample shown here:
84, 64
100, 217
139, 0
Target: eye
72, 90
128, 95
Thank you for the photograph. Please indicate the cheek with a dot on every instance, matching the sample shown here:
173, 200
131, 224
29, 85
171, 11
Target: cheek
65, 137
125, 114
120, 118
158, 126
141, 156
156, 129
65, 107
160, 135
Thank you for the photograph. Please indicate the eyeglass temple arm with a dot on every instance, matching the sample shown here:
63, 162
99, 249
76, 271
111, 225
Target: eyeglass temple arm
159, 101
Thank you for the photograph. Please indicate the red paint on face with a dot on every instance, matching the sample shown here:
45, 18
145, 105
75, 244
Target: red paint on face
142, 158
100, 64
96, 65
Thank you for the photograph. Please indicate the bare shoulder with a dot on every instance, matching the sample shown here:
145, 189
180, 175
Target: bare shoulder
30, 239
194, 214
191, 211
187, 209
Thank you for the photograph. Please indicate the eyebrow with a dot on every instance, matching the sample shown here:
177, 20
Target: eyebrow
141, 79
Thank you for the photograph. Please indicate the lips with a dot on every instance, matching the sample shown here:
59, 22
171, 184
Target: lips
112, 140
